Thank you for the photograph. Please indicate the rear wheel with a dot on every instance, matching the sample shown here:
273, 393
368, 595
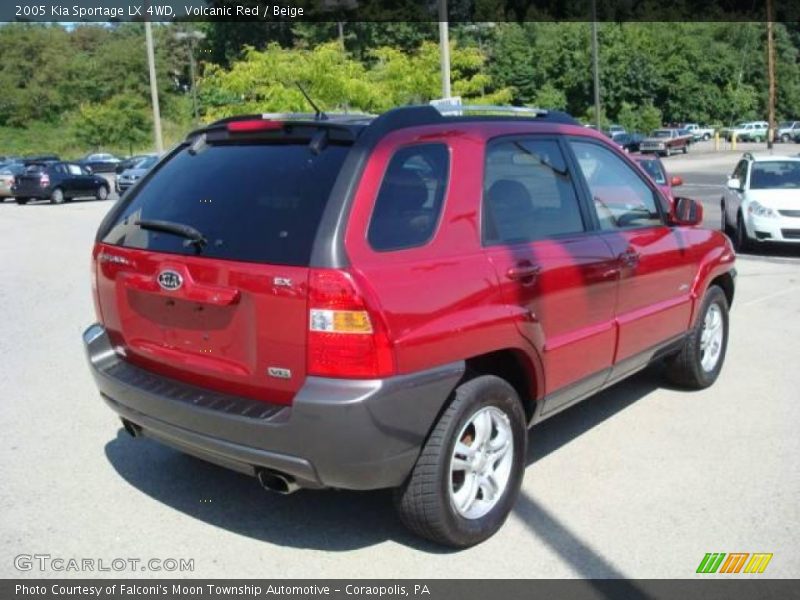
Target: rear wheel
22, 200
469, 472
686, 148
102, 192
699, 362
57, 196
706, 137
785, 138
757, 139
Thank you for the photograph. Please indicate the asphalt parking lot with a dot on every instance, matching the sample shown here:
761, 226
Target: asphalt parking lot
640, 481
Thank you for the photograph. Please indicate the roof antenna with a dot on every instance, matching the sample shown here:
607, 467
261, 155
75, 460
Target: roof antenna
319, 115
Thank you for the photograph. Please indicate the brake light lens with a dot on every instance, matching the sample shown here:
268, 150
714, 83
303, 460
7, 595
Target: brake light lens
44, 181
253, 125
345, 339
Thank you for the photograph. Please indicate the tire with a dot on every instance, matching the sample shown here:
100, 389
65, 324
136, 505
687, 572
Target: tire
757, 139
724, 220
741, 241
706, 137
57, 196
686, 149
699, 362
22, 201
102, 193
785, 138
426, 501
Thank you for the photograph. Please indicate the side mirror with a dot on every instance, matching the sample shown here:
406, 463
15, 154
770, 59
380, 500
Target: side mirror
675, 181
88, 169
734, 183
687, 212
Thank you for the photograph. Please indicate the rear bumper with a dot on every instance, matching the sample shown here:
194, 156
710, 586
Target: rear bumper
340, 433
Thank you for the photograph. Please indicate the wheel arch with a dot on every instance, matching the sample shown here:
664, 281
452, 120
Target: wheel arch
726, 283
514, 366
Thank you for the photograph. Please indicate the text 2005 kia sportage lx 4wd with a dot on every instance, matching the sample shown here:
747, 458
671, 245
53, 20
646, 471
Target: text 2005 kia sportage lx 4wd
361, 303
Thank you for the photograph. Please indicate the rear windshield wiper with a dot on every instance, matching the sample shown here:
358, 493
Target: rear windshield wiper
192, 235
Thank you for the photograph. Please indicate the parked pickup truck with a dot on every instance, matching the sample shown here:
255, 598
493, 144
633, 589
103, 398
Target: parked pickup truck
361, 303
665, 142
698, 132
749, 131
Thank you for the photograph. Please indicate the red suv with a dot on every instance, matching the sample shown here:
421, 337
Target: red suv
360, 303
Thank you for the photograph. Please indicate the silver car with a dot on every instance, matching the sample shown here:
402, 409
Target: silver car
128, 177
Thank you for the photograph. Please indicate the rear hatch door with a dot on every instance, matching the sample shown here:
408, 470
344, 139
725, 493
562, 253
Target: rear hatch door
229, 312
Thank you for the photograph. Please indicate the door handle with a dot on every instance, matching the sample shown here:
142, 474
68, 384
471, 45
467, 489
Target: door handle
523, 272
629, 258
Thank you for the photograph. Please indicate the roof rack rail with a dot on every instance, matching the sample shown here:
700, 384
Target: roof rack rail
292, 116
455, 109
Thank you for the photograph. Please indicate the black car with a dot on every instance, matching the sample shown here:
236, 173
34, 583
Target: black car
628, 141
100, 162
57, 182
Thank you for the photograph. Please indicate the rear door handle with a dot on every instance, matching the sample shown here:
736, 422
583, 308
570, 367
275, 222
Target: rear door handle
629, 258
523, 272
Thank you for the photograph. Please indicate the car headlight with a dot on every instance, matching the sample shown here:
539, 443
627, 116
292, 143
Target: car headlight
661, 145
759, 210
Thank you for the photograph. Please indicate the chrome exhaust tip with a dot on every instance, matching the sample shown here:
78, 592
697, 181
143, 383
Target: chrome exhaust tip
277, 482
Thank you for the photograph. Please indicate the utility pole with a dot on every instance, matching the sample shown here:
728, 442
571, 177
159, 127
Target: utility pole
595, 67
444, 48
151, 63
771, 70
192, 36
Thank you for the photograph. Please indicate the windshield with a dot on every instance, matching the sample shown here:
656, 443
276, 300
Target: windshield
252, 202
662, 133
146, 163
775, 174
654, 169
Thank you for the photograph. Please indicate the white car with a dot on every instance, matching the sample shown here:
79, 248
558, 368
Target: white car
761, 202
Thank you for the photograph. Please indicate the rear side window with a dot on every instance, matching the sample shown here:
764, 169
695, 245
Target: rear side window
528, 193
410, 199
252, 202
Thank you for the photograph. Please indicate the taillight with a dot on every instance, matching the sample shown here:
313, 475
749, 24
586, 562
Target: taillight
344, 338
44, 181
95, 291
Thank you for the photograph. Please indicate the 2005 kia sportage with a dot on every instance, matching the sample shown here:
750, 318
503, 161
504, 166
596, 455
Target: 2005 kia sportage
360, 303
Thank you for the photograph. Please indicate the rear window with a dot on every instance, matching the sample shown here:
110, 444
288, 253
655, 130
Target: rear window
252, 202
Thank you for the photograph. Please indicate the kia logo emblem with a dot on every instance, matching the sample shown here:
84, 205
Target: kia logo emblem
170, 280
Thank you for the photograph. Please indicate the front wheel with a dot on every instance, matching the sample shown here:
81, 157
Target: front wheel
22, 200
686, 148
785, 138
699, 362
741, 240
102, 192
57, 196
469, 472
723, 227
